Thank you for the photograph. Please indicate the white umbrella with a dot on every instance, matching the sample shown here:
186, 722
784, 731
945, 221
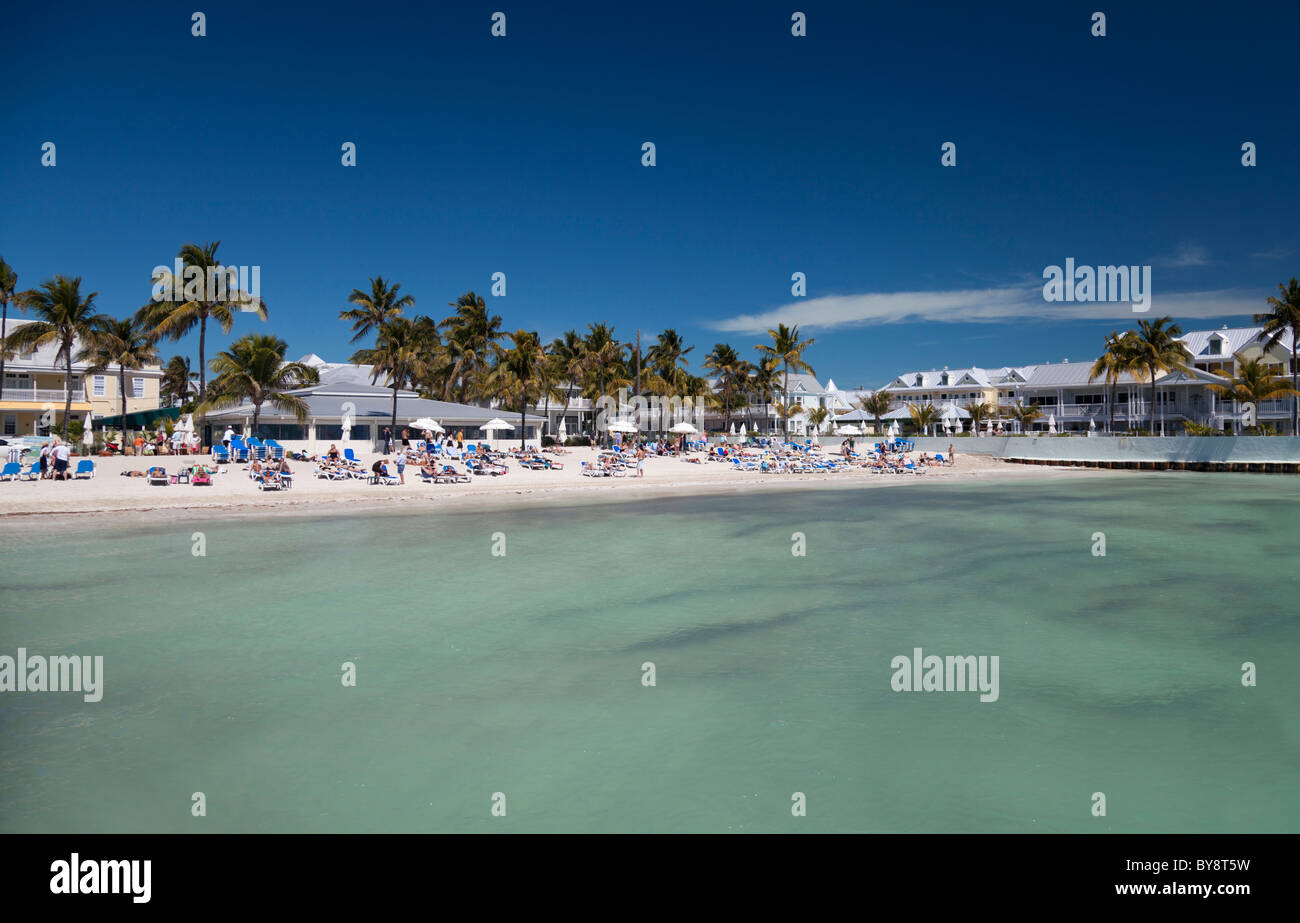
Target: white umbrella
88, 434
850, 430
1051, 423
621, 426
426, 423
961, 427
683, 427
563, 432
495, 424
733, 429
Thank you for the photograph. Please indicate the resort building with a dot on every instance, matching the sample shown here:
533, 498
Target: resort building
1070, 402
346, 409
35, 390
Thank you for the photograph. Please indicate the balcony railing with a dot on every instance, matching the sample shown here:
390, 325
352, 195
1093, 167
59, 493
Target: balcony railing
42, 394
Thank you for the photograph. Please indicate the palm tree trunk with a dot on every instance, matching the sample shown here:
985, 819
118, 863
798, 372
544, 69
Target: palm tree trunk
257, 412
121, 391
785, 397
4, 329
1152, 425
203, 365
67, 393
523, 418
1110, 411
392, 429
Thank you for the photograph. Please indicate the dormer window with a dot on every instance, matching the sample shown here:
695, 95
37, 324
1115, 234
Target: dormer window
917, 383
943, 380
1216, 346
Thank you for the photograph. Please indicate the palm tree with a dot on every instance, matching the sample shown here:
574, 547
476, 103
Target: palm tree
175, 385
1117, 358
668, 356
125, 343
787, 350
253, 369
8, 285
1026, 414
979, 411
174, 319
1254, 384
726, 363
923, 416
64, 317
473, 345
518, 378
817, 416
762, 384
876, 404
1285, 318
1156, 349
601, 365
398, 353
569, 352
374, 309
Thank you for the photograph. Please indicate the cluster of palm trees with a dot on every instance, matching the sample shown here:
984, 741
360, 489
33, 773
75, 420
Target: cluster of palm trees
65, 316
468, 357
1154, 349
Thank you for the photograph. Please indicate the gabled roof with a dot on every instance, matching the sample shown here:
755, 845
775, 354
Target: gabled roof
1234, 340
1066, 374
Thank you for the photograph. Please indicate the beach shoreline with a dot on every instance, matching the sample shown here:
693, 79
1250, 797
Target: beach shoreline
109, 496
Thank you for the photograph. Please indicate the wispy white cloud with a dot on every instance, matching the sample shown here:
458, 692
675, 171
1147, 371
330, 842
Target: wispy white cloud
1276, 253
989, 305
1187, 255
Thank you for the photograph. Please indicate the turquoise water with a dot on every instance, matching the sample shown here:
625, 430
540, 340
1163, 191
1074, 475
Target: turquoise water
521, 674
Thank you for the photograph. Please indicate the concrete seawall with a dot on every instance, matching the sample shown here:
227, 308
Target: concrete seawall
1266, 454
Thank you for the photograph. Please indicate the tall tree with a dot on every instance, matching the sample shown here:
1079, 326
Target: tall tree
1284, 319
125, 343
923, 416
1119, 356
1255, 383
175, 385
399, 353
473, 345
64, 316
876, 404
1156, 349
601, 363
726, 363
8, 286
518, 378
786, 350
1025, 414
375, 308
253, 369
762, 383
569, 354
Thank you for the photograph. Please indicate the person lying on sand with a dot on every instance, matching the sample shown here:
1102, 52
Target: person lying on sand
135, 474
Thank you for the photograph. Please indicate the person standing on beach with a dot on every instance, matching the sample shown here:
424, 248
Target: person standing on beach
401, 459
640, 461
951, 457
61, 455
45, 460
226, 437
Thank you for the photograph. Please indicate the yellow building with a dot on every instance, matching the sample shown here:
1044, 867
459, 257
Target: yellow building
35, 390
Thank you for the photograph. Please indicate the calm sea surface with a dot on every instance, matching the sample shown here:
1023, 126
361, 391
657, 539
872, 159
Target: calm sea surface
522, 674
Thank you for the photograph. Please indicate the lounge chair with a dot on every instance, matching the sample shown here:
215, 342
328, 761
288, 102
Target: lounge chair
201, 478
384, 478
351, 456
274, 449
269, 482
85, 468
10, 471
220, 455
158, 476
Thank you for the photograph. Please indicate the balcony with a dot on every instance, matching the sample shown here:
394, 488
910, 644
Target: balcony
42, 395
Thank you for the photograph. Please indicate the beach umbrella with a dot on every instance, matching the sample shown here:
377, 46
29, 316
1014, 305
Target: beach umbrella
622, 426
426, 423
850, 430
733, 429
1051, 423
961, 427
88, 434
563, 432
683, 427
495, 424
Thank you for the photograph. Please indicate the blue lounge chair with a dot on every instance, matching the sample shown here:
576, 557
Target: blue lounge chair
256, 449
10, 471
220, 455
351, 456
238, 449
85, 467
33, 473
274, 449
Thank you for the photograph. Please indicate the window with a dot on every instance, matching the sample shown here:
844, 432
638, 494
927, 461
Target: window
280, 431
1216, 347
1089, 399
11, 424
99, 385
334, 432
17, 381
137, 387
1046, 401
943, 380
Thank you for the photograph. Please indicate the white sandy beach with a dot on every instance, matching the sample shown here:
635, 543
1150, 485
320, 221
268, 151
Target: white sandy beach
234, 492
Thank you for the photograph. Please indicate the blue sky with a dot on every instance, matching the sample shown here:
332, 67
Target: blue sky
775, 154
